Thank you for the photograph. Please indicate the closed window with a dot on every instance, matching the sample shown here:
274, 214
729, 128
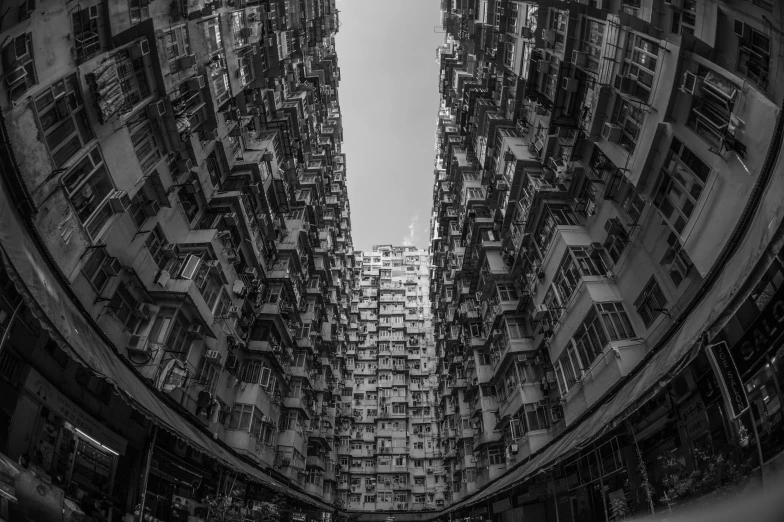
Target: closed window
95, 270
139, 10
18, 65
208, 376
63, 121
629, 117
145, 139
681, 182
651, 302
123, 307
675, 261
155, 243
89, 186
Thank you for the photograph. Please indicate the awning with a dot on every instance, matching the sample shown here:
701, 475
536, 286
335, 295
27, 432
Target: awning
76, 335
733, 284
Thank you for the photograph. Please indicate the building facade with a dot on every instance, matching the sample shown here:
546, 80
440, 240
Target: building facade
597, 221
388, 451
179, 166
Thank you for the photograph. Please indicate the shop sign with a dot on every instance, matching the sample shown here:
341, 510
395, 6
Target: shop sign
695, 419
501, 505
729, 378
68, 410
557, 485
538, 490
525, 497
764, 332
298, 517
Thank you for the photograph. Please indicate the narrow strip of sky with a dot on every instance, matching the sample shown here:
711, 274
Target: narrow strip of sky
389, 101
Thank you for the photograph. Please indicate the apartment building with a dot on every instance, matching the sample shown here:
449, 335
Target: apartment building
600, 227
389, 457
175, 188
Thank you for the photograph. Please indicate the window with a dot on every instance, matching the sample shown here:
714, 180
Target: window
63, 121
535, 417
139, 10
133, 78
615, 321
680, 185
179, 342
629, 117
18, 65
555, 215
241, 417
155, 243
89, 186
675, 261
651, 302
506, 292
208, 376
145, 138
177, 44
639, 66
568, 369
606, 322
95, 270
123, 307
593, 40
684, 20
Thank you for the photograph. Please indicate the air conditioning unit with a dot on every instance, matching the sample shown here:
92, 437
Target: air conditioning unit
594, 248
522, 358
250, 271
246, 32
120, 202
213, 357
171, 250
162, 278
187, 61
138, 345
140, 49
112, 266
540, 311
196, 331
234, 310
611, 132
231, 218
142, 311
613, 227
569, 84
151, 208
184, 166
526, 33
579, 58
514, 448
197, 82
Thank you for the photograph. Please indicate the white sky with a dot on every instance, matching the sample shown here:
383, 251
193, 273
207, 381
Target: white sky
389, 102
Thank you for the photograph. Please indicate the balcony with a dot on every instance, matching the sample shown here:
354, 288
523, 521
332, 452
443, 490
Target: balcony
616, 361
526, 393
313, 461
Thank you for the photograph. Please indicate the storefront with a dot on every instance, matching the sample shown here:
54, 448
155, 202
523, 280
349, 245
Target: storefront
180, 479
63, 451
756, 341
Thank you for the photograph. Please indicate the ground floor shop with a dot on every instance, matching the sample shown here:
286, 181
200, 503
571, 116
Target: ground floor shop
71, 448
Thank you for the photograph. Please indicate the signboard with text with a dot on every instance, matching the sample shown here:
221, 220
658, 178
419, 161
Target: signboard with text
53, 399
729, 379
